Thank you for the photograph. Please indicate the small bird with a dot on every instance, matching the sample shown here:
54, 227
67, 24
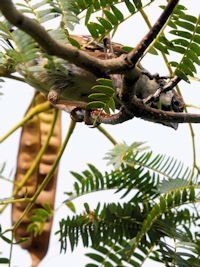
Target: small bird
72, 85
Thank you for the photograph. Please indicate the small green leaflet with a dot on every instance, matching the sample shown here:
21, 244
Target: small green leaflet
103, 96
117, 13
95, 104
4, 260
74, 42
111, 17
168, 185
116, 156
105, 23
88, 14
130, 6
100, 97
71, 206
127, 48
106, 82
104, 89
95, 29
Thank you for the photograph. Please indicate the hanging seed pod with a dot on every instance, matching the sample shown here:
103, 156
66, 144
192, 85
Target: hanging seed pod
33, 136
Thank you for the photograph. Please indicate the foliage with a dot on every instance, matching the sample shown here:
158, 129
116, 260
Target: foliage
186, 28
104, 94
155, 210
159, 195
19, 48
39, 218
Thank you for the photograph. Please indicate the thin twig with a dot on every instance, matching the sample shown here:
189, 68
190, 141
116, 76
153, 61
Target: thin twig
38, 109
13, 77
11, 201
138, 51
160, 90
104, 132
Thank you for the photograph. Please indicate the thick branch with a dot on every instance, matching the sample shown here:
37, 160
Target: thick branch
130, 110
117, 118
137, 108
142, 111
134, 55
76, 56
52, 47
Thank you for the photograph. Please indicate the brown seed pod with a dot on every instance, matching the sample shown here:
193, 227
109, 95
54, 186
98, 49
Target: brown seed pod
33, 136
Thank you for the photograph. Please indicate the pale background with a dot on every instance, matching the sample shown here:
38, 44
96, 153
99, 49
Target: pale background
89, 145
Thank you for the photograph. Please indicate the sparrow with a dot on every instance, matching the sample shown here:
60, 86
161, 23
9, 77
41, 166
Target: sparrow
71, 85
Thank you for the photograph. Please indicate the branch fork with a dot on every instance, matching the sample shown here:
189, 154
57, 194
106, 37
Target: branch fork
121, 65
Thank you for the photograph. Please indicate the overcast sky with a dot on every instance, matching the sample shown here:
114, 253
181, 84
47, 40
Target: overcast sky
89, 145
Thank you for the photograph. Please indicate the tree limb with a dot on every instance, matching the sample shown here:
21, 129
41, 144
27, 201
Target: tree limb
112, 119
73, 54
123, 64
52, 47
137, 108
160, 90
142, 111
136, 53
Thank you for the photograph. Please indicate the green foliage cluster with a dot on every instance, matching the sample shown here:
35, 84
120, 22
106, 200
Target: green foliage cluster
104, 96
158, 189
39, 218
112, 18
20, 48
186, 28
161, 192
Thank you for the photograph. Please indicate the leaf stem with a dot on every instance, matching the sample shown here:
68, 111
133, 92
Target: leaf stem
8, 180
13, 77
104, 132
11, 249
192, 106
11, 201
38, 109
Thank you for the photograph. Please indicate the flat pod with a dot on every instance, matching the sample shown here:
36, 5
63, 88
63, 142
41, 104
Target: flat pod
33, 136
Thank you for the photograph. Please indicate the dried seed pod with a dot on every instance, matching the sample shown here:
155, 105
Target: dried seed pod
33, 136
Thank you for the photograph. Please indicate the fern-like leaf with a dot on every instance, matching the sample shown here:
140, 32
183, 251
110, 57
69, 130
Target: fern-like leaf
186, 28
104, 96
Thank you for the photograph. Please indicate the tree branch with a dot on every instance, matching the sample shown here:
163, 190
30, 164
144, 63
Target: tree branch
113, 119
52, 47
140, 110
137, 108
79, 115
74, 55
123, 64
160, 90
134, 55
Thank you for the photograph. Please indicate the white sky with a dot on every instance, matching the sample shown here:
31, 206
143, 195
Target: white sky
89, 145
